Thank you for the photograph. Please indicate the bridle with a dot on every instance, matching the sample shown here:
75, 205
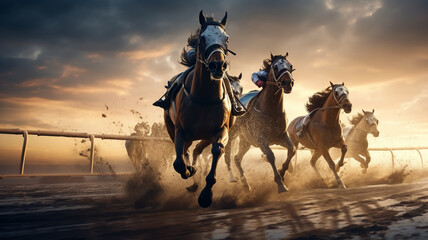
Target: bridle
213, 48
338, 104
280, 74
341, 98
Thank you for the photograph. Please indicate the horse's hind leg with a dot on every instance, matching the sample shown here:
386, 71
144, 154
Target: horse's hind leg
344, 149
196, 152
228, 155
316, 154
205, 198
243, 148
199, 149
363, 162
291, 151
271, 159
330, 162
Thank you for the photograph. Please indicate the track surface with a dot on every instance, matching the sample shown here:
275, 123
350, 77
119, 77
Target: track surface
94, 208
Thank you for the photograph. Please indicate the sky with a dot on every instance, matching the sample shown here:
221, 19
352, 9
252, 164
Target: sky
65, 63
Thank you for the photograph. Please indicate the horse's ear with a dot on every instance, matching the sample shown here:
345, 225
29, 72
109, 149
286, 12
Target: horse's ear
271, 56
331, 84
343, 84
202, 19
286, 54
373, 111
365, 113
240, 76
224, 20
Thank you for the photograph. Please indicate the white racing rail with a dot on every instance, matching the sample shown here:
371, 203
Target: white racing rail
92, 137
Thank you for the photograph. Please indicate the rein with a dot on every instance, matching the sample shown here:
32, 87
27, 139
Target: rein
202, 101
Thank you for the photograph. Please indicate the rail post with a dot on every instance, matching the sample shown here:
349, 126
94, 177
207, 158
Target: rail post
24, 152
420, 155
91, 160
392, 158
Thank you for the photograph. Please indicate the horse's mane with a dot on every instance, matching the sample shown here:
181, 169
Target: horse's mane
192, 43
318, 99
356, 119
268, 62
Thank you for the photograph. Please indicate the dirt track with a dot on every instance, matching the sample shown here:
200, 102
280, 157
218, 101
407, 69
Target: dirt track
96, 209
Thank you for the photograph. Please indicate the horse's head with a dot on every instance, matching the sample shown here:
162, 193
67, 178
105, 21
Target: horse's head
212, 46
280, 71
341, 96
371, 122
236, 85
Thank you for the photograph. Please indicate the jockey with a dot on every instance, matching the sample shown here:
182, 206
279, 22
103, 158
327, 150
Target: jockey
259, 78
174, 84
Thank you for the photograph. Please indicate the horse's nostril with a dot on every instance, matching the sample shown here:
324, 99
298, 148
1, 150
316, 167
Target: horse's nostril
224, 65
212, 66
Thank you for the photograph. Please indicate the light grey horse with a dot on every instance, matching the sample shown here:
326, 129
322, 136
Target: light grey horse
356, 137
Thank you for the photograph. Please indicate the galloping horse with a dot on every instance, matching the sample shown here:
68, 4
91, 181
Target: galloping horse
356, 137
324, 130
201, 110
265, 122
235, 82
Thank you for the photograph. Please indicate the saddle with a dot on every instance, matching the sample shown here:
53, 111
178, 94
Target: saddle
175, 83
245, 100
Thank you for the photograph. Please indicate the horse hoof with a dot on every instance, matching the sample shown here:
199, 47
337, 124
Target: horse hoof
233, 180
247, 188
192, 188
364, 170
181, 169
192, 170
342, 186
282, 188
282, 173
205, 198
337, 168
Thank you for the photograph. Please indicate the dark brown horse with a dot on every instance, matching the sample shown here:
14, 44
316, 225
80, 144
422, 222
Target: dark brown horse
324, 130
265, 122
201, 109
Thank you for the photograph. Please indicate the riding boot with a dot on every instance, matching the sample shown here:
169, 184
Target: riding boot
237, 109
165, 100
301, 131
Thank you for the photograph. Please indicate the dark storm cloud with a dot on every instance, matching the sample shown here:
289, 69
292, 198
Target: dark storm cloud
399, 24
39, 39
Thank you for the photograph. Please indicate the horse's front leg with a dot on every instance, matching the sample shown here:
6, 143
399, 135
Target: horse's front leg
180, 165
291, 151
271, 159
344, 149
330, 163
205, 198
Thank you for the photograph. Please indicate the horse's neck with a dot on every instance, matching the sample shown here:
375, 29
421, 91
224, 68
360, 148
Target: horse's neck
330, 116
271, 99
360, 131
203, 87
